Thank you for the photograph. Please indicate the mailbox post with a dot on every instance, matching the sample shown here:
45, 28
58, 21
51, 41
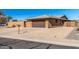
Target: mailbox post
19, 28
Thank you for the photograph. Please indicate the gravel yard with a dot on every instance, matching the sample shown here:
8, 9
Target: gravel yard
57, 35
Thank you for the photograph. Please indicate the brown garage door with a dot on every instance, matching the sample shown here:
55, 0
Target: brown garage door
38, 23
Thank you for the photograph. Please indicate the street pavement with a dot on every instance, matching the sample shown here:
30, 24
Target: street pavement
7, 43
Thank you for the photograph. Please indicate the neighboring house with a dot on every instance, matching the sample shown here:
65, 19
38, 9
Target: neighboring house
46, 21
14, 20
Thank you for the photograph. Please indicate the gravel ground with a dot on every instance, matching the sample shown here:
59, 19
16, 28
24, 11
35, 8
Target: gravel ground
58, 35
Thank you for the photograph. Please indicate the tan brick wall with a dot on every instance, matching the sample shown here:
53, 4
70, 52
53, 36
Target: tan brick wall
70, 24
29, 24
78, 24
46, 24
11, 24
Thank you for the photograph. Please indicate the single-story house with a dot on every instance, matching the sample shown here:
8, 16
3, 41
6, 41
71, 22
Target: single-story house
46, 21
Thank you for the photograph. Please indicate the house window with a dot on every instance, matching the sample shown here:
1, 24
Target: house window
56, 21
63, 22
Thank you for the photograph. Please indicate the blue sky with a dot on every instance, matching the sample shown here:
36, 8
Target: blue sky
22, 14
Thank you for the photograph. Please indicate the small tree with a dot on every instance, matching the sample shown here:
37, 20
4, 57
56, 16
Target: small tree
2, 17
9, 18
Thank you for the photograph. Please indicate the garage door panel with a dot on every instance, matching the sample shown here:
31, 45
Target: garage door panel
38, 24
